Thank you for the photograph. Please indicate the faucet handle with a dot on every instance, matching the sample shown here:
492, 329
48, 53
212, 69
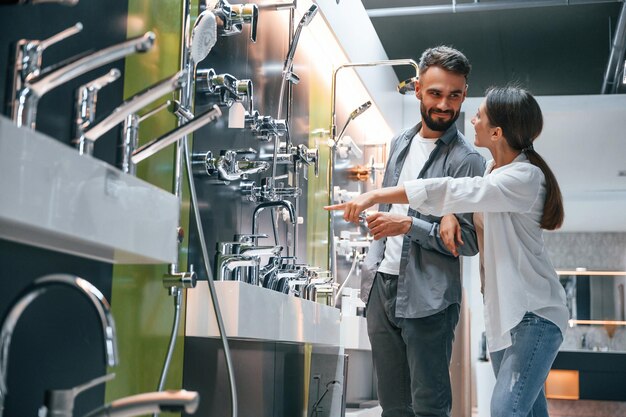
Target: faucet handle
247, 13
29, 52
60, 403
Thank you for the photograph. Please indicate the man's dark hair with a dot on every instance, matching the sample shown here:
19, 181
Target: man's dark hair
447, 58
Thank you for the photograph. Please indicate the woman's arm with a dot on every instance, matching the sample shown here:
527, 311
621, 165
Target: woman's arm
354, 207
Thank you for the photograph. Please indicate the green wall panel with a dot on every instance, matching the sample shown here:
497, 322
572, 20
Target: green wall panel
142, 307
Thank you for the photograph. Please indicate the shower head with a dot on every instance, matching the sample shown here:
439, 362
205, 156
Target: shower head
360, 110
407, 86
309, 15
203, 36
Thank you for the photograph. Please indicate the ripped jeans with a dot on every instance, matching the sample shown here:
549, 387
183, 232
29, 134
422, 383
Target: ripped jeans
522, 368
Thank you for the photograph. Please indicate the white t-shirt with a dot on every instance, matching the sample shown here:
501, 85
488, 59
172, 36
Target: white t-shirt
419, 152
519, 276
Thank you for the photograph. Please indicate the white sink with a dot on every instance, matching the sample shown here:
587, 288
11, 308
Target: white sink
52, 197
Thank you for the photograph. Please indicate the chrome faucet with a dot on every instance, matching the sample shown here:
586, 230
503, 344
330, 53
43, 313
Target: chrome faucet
162, 142
39, 287
150, 402
280, 203
134, 104
229, 88
227, 166
29, 90
86, 100
232, 262
233, 16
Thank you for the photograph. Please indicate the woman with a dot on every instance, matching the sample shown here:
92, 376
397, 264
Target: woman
525, 311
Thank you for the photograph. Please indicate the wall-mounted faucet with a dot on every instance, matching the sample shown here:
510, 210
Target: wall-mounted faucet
86, 100
227, 166
133, 105
28, 90
232, 16
265, 127
39, 287
164, 141
229, 88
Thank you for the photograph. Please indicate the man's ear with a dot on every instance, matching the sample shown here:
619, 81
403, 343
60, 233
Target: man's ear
418, 90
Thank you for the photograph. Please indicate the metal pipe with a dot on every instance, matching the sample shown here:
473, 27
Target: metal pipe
333, 135
28, 98
164, 141
212, 291
33, 291
134, 104
477, 7
616, 58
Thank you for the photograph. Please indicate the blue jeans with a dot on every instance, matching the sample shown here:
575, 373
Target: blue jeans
522, 368
411, 356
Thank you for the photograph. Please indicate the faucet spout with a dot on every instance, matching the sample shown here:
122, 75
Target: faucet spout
280, 203
149, 403
39, 287
25, 107
136, 103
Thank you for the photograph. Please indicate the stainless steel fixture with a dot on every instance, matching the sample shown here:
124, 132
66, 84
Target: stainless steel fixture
60, 402
233, 16
33, 291
265, 127
229, 88
150, 402
164, 141
134, 104
29, 89
86, 100
227, 167
335, 138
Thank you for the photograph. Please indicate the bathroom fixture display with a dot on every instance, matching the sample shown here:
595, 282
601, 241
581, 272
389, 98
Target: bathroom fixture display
229, 88
31, 83
29, 294
232, 17
86, 100
134, 104
265, 128
150, 402
164, 141
55, 198
334, 138
227, 167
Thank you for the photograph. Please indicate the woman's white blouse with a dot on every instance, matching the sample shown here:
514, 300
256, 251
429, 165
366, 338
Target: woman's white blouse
519, 276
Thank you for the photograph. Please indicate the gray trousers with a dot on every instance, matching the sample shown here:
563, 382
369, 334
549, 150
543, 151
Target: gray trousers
411, 356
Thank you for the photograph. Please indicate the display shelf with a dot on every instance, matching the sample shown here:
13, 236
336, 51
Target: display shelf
252, 312
54, 198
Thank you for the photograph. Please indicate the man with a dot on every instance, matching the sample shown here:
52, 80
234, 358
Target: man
411, 281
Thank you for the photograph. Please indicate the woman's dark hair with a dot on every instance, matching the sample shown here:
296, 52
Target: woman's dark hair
517, 113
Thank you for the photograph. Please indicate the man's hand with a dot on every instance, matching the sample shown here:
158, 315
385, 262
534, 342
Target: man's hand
450, 232
386, 224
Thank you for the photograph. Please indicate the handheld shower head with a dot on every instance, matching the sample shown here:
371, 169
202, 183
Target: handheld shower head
309, 15
360, 110
203, 36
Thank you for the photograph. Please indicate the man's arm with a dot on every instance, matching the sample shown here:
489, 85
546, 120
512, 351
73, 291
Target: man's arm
429, 234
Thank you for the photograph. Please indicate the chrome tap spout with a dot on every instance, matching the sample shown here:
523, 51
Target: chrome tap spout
233, 262
280, 203
136, 103
25, 106
39, 287
158, 144
150, 402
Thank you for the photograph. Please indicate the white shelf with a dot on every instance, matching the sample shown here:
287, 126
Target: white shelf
252, 312
54, 198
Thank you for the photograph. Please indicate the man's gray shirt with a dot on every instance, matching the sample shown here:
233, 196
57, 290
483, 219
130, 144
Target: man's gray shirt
430, 276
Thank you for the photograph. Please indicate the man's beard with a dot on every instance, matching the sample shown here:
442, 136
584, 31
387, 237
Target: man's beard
435, 125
